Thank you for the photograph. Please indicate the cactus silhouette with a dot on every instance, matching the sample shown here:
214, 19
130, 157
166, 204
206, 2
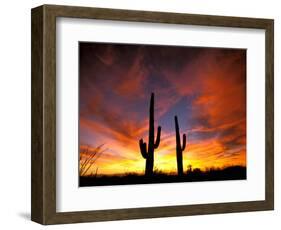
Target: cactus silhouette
148, 153
179, 148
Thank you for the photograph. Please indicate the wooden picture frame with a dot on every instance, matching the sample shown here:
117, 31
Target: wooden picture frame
43, 208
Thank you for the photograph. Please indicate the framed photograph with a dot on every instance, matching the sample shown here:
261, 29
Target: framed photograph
141, 114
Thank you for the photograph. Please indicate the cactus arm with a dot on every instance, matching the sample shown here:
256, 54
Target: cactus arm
183, 142
143, 149
157, 142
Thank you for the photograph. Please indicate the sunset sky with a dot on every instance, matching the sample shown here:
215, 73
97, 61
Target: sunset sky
204, 87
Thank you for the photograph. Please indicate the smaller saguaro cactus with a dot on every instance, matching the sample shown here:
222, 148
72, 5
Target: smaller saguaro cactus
147, 152
180, 148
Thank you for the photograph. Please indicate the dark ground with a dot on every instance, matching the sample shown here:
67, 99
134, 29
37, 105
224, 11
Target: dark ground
229, 173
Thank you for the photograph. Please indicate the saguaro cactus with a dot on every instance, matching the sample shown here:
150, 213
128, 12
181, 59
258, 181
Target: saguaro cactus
179, 148
148, 153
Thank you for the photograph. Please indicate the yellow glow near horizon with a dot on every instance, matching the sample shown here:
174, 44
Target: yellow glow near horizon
165, 160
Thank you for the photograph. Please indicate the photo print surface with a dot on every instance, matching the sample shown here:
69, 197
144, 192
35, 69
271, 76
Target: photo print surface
161, 114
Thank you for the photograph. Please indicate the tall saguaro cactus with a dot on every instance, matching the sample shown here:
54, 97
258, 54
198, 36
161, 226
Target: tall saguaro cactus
148, 153
180, 148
